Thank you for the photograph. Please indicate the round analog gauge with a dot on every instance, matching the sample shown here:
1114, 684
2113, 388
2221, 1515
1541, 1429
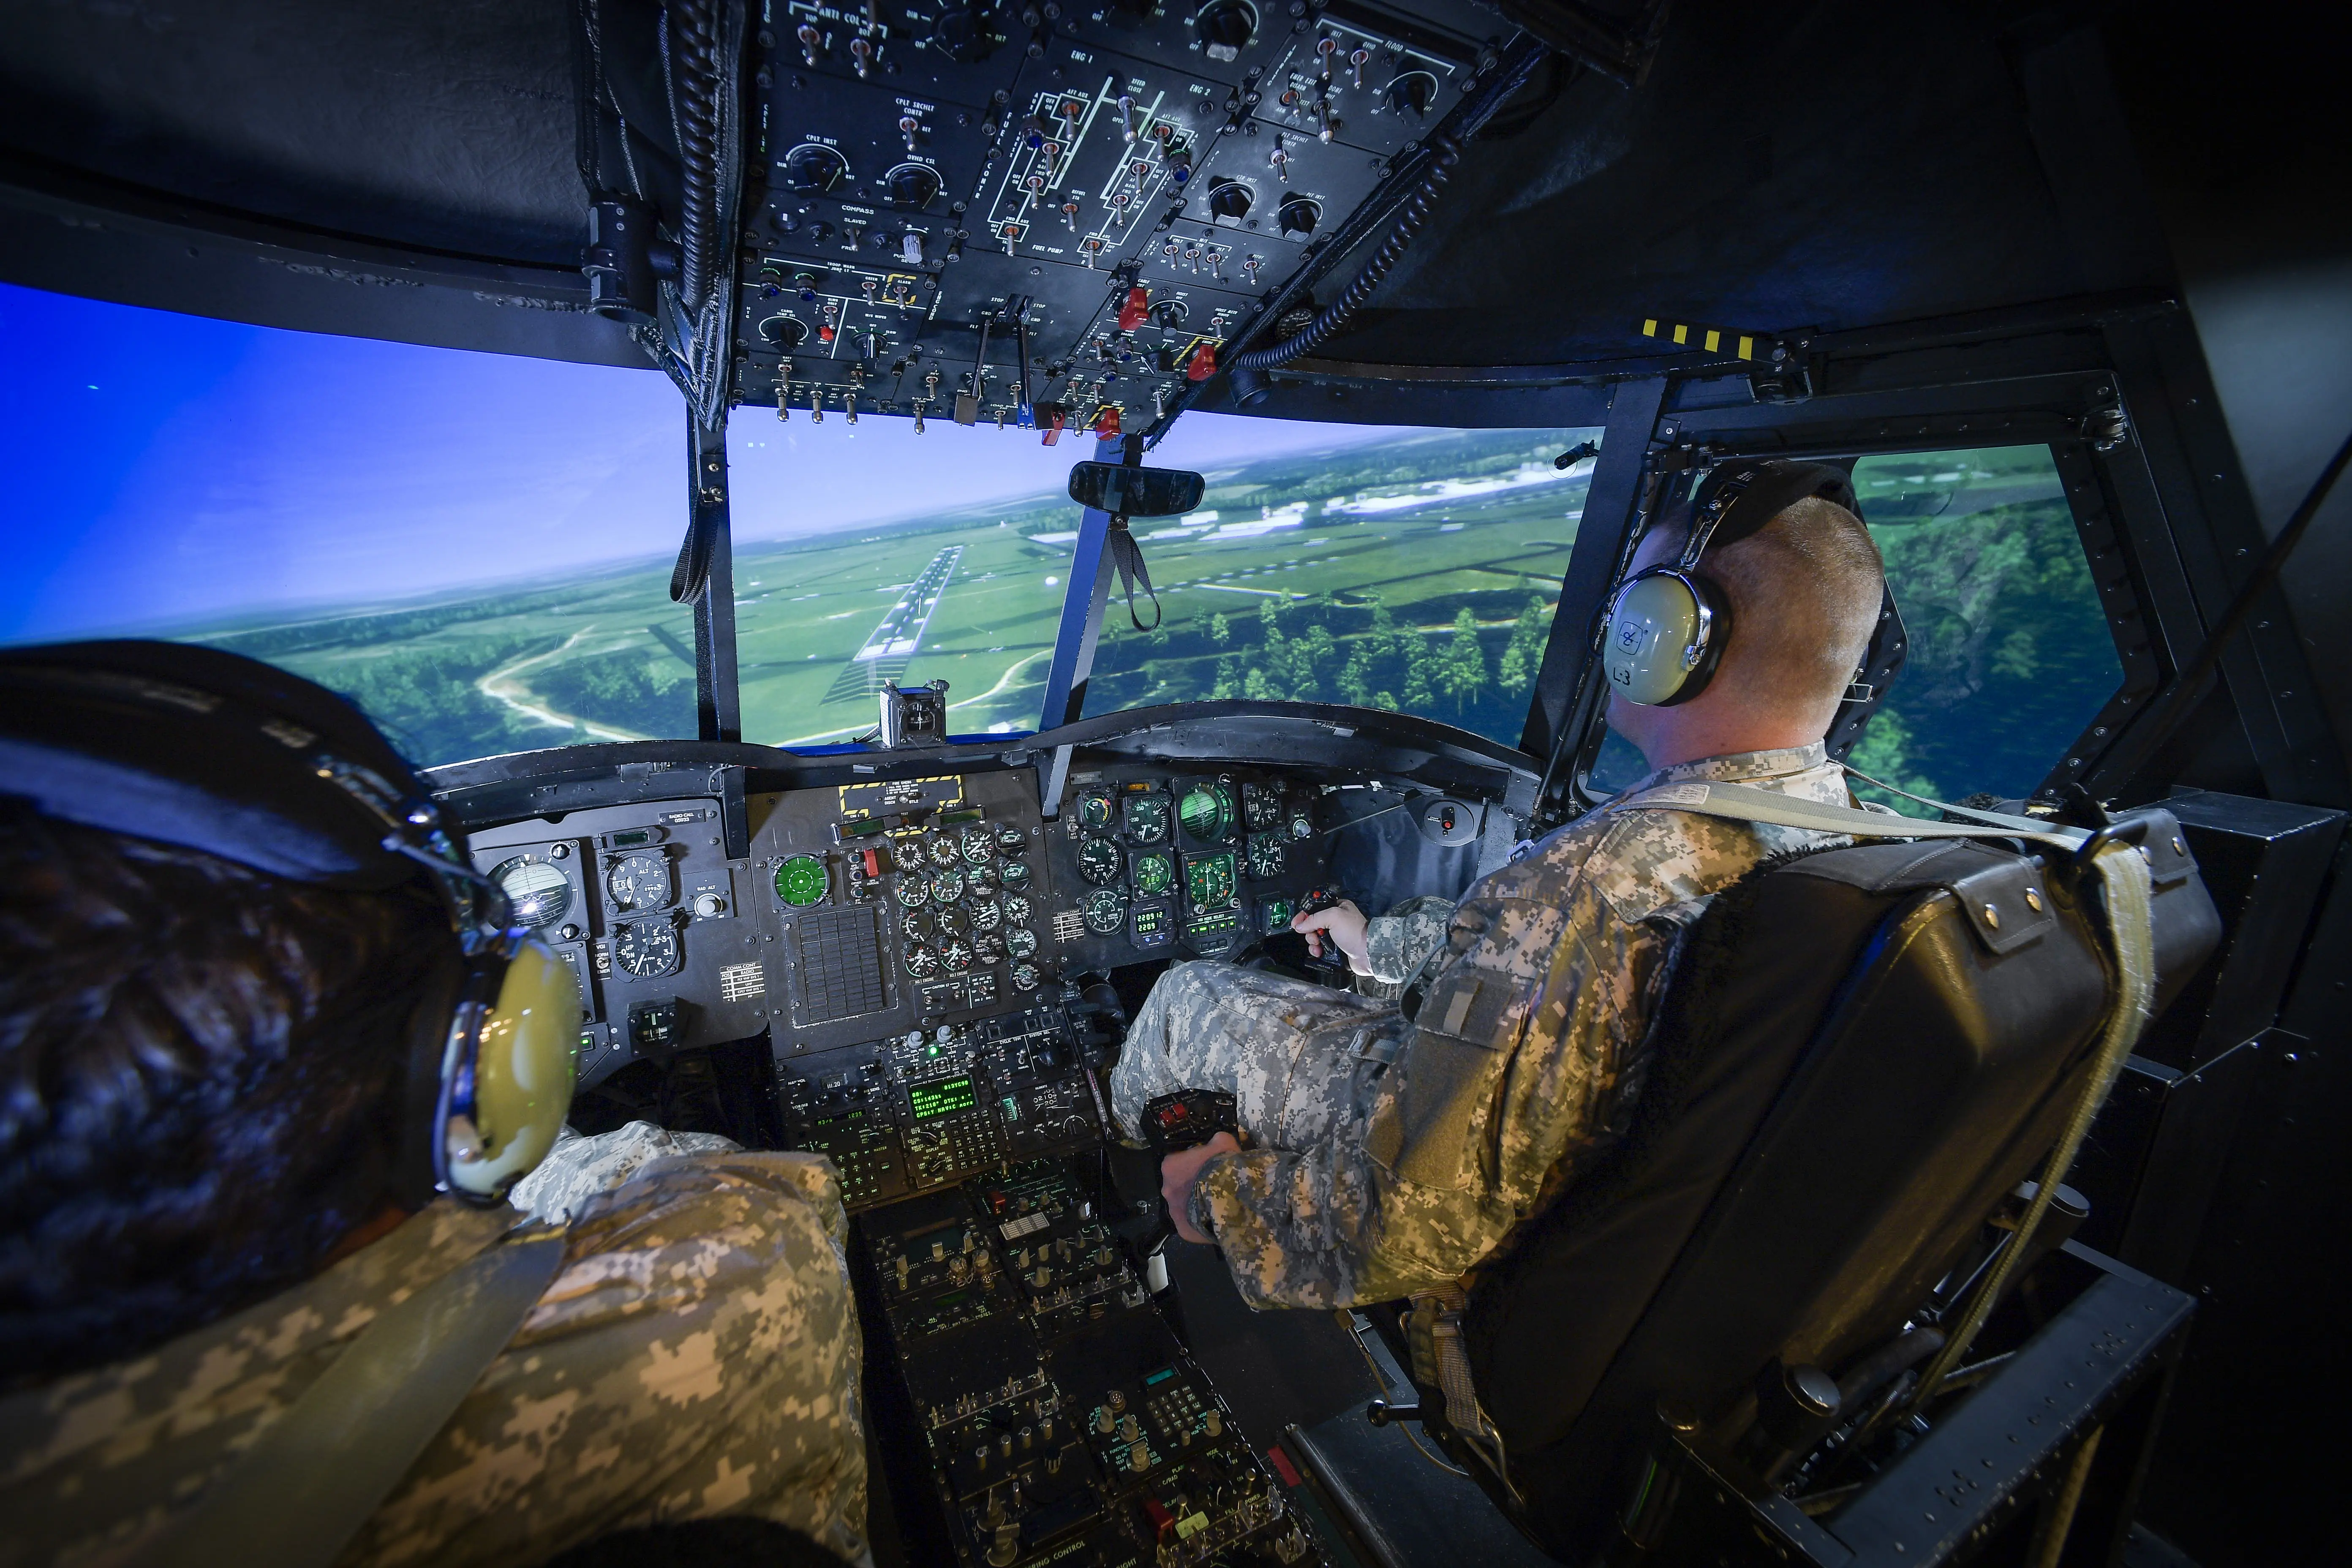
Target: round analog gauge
1209, 881
1100, 862
943, 851
980, 877
951, 922
639, 881
978, 847
800, 882
920, 961
1015, 874
540, 894
907, 854
1011, 840
1263, 858
916, 926
1147, 816
956, 956
1105, 912
1207, 812
1095, 809
647, 949
1020, 942
987, 915
914, 891
1301, 825
1261, 806
1025, 977
946, 887
1153, 875
988, 949
1016, 910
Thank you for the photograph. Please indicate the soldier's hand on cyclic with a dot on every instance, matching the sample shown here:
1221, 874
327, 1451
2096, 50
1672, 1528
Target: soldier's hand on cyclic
1181, 1170
1343, 926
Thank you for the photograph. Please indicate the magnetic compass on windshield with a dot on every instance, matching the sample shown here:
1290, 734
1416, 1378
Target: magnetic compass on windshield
1100, 862
538, 893
1207, 811
647, 949
1105, 912
639, 881
1154, 874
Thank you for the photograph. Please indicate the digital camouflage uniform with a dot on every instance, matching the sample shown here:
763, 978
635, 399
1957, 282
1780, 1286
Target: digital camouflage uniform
696, 1354
1365, 1182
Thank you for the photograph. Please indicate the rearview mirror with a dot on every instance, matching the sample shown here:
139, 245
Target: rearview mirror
1135, 493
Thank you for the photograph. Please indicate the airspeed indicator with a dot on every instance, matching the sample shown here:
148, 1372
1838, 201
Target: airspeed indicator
1099, 861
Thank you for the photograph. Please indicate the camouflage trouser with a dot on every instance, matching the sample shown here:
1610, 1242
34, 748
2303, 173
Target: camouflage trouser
1290, 1053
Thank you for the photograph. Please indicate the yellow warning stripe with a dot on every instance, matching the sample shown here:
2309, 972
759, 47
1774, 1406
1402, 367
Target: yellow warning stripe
1714, 340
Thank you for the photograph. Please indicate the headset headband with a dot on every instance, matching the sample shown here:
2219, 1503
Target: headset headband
221, 753
1738, 497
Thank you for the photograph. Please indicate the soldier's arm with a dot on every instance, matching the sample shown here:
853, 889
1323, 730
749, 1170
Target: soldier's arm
1402, 940
1509, 1073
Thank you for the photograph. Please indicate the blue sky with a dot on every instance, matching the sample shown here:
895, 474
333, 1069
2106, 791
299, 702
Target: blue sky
158, 469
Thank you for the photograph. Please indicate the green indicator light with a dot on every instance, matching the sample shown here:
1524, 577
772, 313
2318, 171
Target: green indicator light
800, 881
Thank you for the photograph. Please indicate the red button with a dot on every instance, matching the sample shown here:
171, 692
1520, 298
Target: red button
1204, 364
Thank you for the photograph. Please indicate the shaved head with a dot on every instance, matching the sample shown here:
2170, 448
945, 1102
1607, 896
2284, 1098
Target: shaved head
1803, 592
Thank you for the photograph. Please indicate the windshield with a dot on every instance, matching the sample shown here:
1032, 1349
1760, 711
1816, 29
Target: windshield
1411, 570
477, 548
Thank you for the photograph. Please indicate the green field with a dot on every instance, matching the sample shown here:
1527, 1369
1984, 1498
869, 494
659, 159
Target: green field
1352, 574
1419, 575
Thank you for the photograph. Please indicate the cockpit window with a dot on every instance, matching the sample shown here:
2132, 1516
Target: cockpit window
474, 547
1412, 570
2010, 655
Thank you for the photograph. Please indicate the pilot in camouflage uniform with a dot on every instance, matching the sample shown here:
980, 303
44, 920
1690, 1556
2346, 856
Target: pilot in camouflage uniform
696, 1354
1366, 1183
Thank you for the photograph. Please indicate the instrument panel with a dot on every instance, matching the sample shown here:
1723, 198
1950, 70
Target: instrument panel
878, 910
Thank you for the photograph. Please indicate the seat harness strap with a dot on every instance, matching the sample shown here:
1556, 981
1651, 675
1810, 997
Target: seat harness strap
313, 1477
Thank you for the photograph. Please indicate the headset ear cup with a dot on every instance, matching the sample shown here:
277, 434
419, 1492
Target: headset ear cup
1713, 637
417, 1176
523, 1073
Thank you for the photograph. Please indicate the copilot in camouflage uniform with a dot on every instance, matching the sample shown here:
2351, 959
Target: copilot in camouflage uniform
696, 1354
1366, 1181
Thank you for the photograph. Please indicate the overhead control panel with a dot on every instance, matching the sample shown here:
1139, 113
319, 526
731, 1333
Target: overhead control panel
1051, 215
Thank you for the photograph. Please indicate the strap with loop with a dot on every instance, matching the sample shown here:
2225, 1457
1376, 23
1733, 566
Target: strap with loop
1127, 555
1745, 803
310, 1479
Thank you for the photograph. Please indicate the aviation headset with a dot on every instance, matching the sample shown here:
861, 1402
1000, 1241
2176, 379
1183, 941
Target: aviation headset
1669, 625
214, 751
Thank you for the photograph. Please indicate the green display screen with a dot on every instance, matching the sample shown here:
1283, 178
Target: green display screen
944, 1099
863, 827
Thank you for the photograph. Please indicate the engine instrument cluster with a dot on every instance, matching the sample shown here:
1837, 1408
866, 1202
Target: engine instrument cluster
1192, 863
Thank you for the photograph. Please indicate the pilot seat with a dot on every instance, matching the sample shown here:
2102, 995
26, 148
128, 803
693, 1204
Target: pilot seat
1711, 1345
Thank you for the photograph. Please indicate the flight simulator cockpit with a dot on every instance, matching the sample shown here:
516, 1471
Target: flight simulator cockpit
1163, 481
